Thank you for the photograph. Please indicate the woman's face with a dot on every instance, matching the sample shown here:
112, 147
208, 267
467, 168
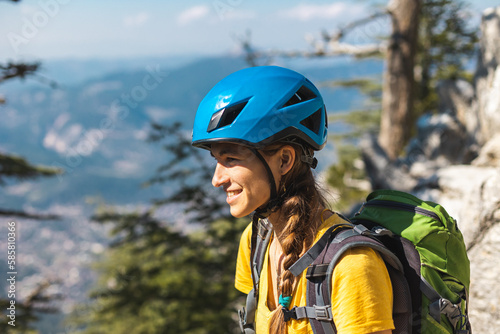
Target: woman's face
243, 177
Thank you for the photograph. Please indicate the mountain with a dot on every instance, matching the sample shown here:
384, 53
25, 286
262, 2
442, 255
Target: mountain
96, 130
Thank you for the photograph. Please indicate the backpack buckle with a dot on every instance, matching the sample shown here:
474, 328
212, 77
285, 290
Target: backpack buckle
323, 313
244, 327
289, 314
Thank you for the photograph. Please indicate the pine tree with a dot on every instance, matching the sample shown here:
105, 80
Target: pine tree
28, 311
446, 45
13, 167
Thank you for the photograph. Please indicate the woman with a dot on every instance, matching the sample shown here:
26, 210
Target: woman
262, 126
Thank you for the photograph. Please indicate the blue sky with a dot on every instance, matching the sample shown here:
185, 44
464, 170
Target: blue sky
45, 29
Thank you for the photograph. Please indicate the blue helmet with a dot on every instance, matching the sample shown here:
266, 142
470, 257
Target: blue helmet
261, 105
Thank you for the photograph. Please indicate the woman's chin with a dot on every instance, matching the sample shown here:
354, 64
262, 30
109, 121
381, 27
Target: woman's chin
240, 212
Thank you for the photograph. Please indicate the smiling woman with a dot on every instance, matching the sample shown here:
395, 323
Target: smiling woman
262, 125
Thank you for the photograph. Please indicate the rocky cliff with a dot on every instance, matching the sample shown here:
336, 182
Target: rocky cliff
455, 160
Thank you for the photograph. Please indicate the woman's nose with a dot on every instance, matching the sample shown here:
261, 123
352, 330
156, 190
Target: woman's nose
220, 176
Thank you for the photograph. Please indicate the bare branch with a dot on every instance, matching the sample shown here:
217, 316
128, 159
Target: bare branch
21, 71
249, 50
338, 35
39, 299
335, 49
330, 45
251, 55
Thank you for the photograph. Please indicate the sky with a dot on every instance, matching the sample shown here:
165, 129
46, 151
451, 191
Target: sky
84, 29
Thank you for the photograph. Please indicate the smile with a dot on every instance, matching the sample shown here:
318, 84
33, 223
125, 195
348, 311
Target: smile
233, 193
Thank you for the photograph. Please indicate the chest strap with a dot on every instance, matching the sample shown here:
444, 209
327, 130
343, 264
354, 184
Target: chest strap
321, 313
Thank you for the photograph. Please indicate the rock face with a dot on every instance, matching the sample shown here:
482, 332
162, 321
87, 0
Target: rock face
472, 196
455, 160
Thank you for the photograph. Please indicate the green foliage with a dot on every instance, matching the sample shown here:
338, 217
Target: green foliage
446, 43
358, 122
14, 167
370, 87
348, 178
361, 121
28, 311
18, 168
156, 278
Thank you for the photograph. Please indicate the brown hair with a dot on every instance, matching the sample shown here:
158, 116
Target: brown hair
300, 209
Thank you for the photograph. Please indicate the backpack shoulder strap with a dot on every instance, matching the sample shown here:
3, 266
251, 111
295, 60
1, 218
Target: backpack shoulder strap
261, 235
319, 276
312, 254
264, 232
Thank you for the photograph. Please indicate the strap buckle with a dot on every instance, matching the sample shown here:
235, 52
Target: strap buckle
244, 327
289, 314
242, 319
322, 313
310, 160
452, 311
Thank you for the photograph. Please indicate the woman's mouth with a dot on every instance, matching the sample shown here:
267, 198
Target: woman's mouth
231, 195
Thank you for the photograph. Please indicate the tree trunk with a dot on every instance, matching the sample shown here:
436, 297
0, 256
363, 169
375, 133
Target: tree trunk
398, 87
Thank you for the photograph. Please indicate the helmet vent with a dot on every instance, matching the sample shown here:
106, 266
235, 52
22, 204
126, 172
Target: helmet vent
225, 116
313, 122
303, 94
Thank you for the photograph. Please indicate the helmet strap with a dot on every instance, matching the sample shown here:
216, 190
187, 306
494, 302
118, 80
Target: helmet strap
274, 200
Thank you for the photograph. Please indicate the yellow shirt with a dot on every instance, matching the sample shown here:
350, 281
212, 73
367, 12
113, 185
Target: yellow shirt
361, 289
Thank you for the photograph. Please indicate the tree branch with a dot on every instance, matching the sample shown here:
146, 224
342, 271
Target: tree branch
329, 45
22, 214
17, 70
17, 167
338, 35
21, 71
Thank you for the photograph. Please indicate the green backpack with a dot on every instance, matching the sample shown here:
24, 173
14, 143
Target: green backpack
424, 253
442, 266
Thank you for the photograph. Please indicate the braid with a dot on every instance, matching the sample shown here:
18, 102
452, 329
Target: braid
299, 210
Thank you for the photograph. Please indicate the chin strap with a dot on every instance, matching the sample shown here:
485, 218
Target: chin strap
274, 200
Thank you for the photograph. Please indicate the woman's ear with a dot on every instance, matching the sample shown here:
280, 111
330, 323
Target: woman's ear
287, 157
